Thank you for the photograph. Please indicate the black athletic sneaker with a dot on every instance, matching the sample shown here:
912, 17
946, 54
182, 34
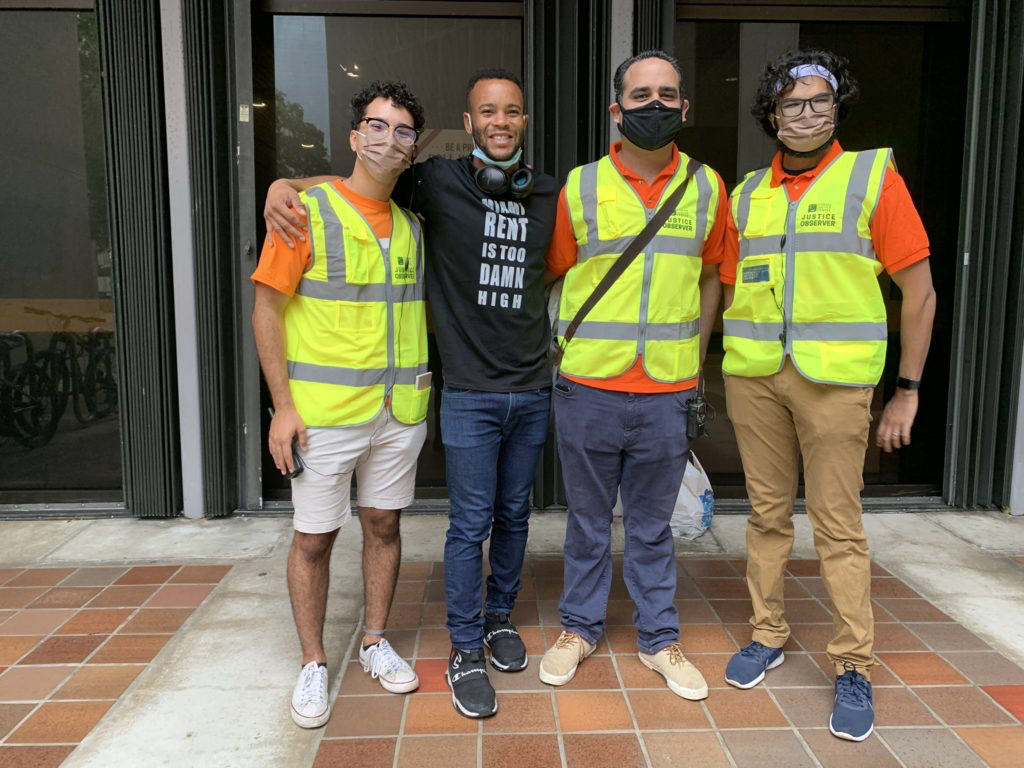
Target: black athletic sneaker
472, 693
508, 653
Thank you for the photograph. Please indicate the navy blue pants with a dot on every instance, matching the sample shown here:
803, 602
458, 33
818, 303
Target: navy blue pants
635, 444
492, 442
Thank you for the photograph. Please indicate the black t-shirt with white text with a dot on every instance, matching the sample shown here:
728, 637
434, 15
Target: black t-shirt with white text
485, 260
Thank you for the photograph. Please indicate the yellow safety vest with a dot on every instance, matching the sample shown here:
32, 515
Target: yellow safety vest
356, 327
653, 308
807, 278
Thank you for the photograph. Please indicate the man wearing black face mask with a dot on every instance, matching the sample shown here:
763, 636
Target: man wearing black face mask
805, 345
631, 368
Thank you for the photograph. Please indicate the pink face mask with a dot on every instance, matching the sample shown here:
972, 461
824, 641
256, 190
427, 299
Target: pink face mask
807, 131
384, 160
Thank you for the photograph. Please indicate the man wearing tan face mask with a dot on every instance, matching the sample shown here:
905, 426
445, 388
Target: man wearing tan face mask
805, 344
340, 325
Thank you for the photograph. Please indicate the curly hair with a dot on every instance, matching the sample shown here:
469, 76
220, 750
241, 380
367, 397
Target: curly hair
775, 79
396, 92
619, 79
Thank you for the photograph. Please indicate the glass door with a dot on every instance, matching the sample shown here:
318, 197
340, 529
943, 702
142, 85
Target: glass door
306, 68
913, 100
60, 436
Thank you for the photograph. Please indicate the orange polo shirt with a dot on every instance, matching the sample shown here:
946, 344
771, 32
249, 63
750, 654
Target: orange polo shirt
897, 231
562, 256
281, 267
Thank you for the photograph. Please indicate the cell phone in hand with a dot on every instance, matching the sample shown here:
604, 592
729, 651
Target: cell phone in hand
296, 461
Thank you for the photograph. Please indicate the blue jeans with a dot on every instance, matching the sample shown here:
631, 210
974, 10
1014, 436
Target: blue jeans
637, 445
492, 442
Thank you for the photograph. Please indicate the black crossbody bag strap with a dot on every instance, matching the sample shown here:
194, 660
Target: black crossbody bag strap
636, 245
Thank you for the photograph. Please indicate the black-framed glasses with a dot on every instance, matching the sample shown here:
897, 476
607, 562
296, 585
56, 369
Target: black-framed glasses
823, 102
379, 129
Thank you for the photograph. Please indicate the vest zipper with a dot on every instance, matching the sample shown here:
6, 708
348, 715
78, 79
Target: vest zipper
789, 246
389, 379
645, 292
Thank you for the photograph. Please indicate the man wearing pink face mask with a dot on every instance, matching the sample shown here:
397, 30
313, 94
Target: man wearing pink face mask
805, 344
340, 325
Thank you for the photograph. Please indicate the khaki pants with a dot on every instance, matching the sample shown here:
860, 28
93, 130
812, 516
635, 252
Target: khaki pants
776, 419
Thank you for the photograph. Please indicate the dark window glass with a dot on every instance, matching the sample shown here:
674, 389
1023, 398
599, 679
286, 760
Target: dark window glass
306, 69
920, 114
59, 427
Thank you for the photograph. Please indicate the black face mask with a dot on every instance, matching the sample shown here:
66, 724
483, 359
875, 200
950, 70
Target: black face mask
651, 126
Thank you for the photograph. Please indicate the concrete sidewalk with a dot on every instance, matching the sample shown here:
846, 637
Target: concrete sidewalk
218, 692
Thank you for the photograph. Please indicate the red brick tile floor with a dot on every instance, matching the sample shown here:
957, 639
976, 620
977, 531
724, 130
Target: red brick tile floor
72, 640
943, 697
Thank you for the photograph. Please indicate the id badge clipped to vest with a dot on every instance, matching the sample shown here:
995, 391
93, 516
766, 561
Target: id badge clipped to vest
759, 270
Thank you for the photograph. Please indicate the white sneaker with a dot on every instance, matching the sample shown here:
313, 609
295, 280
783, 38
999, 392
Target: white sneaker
310, 707
383, 664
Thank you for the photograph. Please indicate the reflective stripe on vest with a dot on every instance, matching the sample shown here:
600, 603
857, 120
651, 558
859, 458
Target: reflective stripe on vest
654, 306
806, 282
356, 327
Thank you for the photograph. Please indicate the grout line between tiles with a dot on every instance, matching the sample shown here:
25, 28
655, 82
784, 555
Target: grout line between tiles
559, 736
480, 743
629, 708
401, 730
718, 734
795, 731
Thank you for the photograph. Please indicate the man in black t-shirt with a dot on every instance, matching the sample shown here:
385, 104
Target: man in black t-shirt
488, 220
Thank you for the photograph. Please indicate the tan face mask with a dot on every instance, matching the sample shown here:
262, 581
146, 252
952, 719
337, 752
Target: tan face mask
807, 131
384, 160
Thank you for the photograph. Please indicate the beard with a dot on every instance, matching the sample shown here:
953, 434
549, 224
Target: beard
480, 137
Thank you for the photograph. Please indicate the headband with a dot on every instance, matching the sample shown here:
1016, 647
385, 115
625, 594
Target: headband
811, 70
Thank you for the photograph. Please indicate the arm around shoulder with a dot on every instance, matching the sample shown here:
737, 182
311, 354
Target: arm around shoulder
283, 210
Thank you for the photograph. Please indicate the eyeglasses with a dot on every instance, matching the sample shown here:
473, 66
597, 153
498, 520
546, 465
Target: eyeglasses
823, 102
380, 130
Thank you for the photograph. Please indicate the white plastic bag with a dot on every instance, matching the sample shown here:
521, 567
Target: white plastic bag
695, 504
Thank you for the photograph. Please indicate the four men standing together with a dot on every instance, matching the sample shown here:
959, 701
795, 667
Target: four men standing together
340, 324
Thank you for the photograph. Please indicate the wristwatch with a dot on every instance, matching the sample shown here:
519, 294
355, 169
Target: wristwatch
904, 383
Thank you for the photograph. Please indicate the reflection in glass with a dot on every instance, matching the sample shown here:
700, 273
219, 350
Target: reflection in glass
59, 428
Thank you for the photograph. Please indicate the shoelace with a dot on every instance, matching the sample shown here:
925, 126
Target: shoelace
675, 655
852, 689
567, 640
383, 659
314, 683
757, 652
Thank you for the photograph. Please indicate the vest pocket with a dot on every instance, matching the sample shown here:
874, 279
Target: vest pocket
357, 268
607, 210
759, 289
359, 316
757, 225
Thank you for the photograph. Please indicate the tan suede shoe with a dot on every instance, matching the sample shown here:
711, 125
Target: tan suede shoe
682, 677
560, 660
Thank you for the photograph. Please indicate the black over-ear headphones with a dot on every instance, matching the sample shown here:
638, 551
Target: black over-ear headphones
493, 180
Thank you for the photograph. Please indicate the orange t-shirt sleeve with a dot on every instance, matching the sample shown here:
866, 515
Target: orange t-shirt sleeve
562, 251
714, 246
281, 266
896, 229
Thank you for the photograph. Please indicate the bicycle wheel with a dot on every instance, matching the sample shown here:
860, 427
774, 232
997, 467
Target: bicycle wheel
62, 351
101, 384
35, 402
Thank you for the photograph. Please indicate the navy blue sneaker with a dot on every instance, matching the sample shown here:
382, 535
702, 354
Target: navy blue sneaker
746, 668
853, 714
